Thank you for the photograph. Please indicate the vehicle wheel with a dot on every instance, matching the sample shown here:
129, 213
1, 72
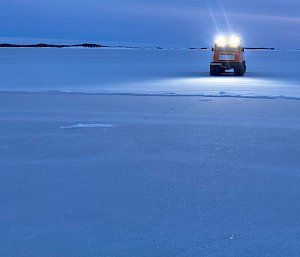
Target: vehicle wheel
239, 70
215, 70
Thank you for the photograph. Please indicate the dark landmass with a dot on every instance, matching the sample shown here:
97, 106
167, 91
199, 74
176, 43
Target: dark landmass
199, 48
261, 48
87, 45
52, 45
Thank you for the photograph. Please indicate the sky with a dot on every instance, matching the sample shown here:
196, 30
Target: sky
267, 23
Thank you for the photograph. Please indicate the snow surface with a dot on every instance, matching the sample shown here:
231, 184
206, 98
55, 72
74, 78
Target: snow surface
139, 175
270, 73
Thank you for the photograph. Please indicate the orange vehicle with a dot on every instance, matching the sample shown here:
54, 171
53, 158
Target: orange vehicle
228, 54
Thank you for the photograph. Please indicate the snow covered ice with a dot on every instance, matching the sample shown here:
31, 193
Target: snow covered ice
141, 153
183, 72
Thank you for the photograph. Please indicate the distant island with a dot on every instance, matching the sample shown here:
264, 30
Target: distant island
42, 45
88, 45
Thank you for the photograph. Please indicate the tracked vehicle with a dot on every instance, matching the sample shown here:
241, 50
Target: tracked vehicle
228, 53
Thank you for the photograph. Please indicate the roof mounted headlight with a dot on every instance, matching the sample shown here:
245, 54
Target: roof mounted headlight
231, 41
235, 41
221, 41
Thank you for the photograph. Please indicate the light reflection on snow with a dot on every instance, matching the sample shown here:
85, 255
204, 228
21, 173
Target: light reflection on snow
224, 85
224, 81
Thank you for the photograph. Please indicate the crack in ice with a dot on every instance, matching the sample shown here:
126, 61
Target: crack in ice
88, 125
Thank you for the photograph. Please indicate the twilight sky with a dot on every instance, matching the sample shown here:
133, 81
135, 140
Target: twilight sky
153, 22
